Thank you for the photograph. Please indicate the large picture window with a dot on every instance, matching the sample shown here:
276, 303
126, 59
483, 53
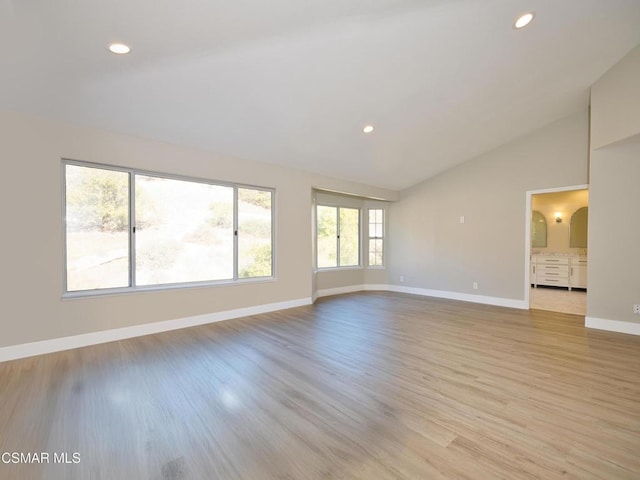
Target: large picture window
338, 236
126, 229
184, 231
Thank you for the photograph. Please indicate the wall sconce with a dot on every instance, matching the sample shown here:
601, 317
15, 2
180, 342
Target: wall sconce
558, 216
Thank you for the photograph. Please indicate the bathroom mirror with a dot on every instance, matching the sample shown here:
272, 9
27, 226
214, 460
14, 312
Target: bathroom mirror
578, 229
538, 230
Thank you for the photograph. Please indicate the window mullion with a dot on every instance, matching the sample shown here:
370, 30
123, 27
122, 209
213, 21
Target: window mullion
65, 281
132, 229
235, 233
273, 234
338, 236
360, 237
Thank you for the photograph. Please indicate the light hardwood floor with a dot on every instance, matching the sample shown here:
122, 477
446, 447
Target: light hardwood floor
361, 386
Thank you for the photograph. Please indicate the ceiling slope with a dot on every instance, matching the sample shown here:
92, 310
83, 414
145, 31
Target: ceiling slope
293, 82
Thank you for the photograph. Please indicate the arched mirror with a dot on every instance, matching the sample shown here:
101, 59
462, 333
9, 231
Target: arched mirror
579, 224
538, 230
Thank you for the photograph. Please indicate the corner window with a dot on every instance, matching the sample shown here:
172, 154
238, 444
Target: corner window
338, 237
126, 229
376, 237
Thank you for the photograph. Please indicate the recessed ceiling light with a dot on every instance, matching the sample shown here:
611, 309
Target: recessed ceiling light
523, 20
368, 129
119, 48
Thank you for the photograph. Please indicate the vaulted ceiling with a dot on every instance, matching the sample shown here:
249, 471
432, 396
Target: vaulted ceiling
293, 82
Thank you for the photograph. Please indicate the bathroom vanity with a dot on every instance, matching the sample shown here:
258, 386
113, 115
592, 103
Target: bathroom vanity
569, 271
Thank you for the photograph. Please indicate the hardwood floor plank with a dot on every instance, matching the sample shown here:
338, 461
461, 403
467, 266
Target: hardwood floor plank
360, 386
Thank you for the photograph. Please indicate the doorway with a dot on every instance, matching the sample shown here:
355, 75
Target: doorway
556, 249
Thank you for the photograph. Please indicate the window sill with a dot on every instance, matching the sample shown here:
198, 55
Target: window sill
337, 269
162, 288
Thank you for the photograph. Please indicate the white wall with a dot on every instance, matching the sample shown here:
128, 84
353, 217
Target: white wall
32, 308
614, 233
434, 251
614, 214
615, 102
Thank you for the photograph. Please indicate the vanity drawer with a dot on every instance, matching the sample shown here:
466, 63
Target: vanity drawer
544, 260
551, 280
553, 270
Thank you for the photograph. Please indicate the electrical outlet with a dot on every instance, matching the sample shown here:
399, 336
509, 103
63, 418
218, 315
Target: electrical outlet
462, 219
475, 285
401, 278
636, 309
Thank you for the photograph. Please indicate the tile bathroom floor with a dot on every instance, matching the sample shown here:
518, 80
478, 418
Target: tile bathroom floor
558, 300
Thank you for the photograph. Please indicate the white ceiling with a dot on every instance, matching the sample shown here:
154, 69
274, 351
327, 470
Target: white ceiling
293, 82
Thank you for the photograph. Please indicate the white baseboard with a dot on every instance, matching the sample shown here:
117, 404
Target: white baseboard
370, 287
76, 341
612, 325
351, 288
463, 297
66, 343
326, 292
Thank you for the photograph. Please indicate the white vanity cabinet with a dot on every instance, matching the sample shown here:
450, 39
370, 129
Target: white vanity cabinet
578, 272
559, 270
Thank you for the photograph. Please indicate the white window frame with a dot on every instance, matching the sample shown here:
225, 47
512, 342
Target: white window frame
338, 266
132, 288
369, 237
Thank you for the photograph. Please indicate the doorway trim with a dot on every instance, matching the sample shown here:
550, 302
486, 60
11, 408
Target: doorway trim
527, 233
